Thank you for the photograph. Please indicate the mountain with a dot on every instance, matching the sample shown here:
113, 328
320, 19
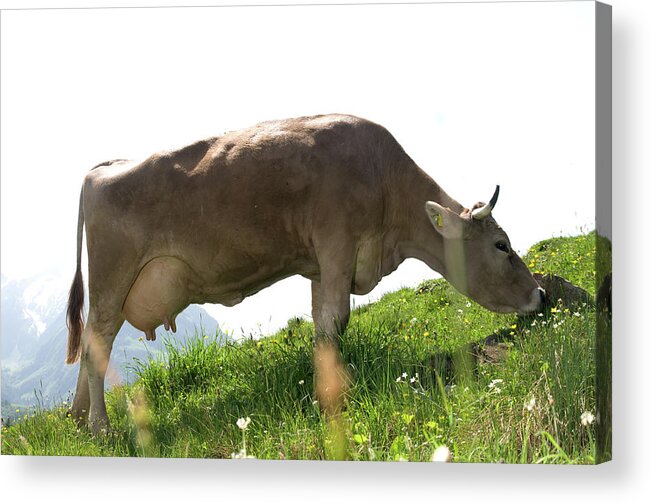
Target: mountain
33, 342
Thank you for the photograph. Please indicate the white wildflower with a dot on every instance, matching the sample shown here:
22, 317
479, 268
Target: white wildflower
442, 454
241, 455
301, 382
243, 423
495, 382
412, 379
404, 375
586, 418
493, 385
531, 404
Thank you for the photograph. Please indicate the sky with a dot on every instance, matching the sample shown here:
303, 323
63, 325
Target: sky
477, 94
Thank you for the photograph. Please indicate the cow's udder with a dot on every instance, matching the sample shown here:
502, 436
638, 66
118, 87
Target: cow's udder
158, 295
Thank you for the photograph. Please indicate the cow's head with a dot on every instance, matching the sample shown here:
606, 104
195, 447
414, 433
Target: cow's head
480, 262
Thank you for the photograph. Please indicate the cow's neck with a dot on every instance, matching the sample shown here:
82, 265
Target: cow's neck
417, 237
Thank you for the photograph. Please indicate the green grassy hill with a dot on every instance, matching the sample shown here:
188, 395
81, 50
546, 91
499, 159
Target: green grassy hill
415, 384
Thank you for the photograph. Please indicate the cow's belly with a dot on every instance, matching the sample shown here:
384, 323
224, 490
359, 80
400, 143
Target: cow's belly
161, 291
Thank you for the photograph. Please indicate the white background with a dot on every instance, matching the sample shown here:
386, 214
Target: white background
624, 479
478, 95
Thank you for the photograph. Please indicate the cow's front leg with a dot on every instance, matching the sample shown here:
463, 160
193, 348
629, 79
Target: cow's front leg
331, 311
331, 308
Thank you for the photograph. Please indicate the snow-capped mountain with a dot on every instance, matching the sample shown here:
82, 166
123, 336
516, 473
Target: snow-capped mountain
28, 305
33, 340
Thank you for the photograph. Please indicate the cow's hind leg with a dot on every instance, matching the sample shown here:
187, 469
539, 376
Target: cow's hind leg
97, 340
81, 402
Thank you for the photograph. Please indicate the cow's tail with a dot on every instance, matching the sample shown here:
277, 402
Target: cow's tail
75, 317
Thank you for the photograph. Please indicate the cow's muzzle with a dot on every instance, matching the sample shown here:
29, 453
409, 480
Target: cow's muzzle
537, 301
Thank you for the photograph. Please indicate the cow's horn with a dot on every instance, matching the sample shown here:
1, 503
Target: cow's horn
485, 211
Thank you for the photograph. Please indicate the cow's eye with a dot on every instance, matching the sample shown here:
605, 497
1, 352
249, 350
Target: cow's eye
502, 246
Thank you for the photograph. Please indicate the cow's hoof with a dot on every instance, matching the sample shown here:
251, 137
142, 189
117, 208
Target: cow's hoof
78, 415
100, 428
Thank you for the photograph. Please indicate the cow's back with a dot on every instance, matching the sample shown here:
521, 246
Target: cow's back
249, 203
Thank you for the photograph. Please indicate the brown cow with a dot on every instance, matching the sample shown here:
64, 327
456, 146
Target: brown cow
332, 198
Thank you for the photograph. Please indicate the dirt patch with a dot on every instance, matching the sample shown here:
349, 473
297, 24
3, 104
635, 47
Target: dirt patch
491, 350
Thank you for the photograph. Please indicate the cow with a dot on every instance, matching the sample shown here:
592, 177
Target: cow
333, 198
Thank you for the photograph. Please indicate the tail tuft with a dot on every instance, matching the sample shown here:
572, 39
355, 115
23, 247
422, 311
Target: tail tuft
75, 314
75, 319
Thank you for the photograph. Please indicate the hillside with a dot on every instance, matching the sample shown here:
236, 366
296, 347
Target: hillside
417, 380
34, 337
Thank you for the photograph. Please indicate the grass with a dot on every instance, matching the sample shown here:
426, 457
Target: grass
413, 386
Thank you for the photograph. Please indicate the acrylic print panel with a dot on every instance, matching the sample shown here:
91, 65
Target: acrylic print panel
380, 131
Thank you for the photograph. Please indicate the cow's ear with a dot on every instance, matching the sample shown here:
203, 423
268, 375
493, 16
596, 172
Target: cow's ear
445, 221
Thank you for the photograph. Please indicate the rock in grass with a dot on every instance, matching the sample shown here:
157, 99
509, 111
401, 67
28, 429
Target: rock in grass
495, 347
557, 288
